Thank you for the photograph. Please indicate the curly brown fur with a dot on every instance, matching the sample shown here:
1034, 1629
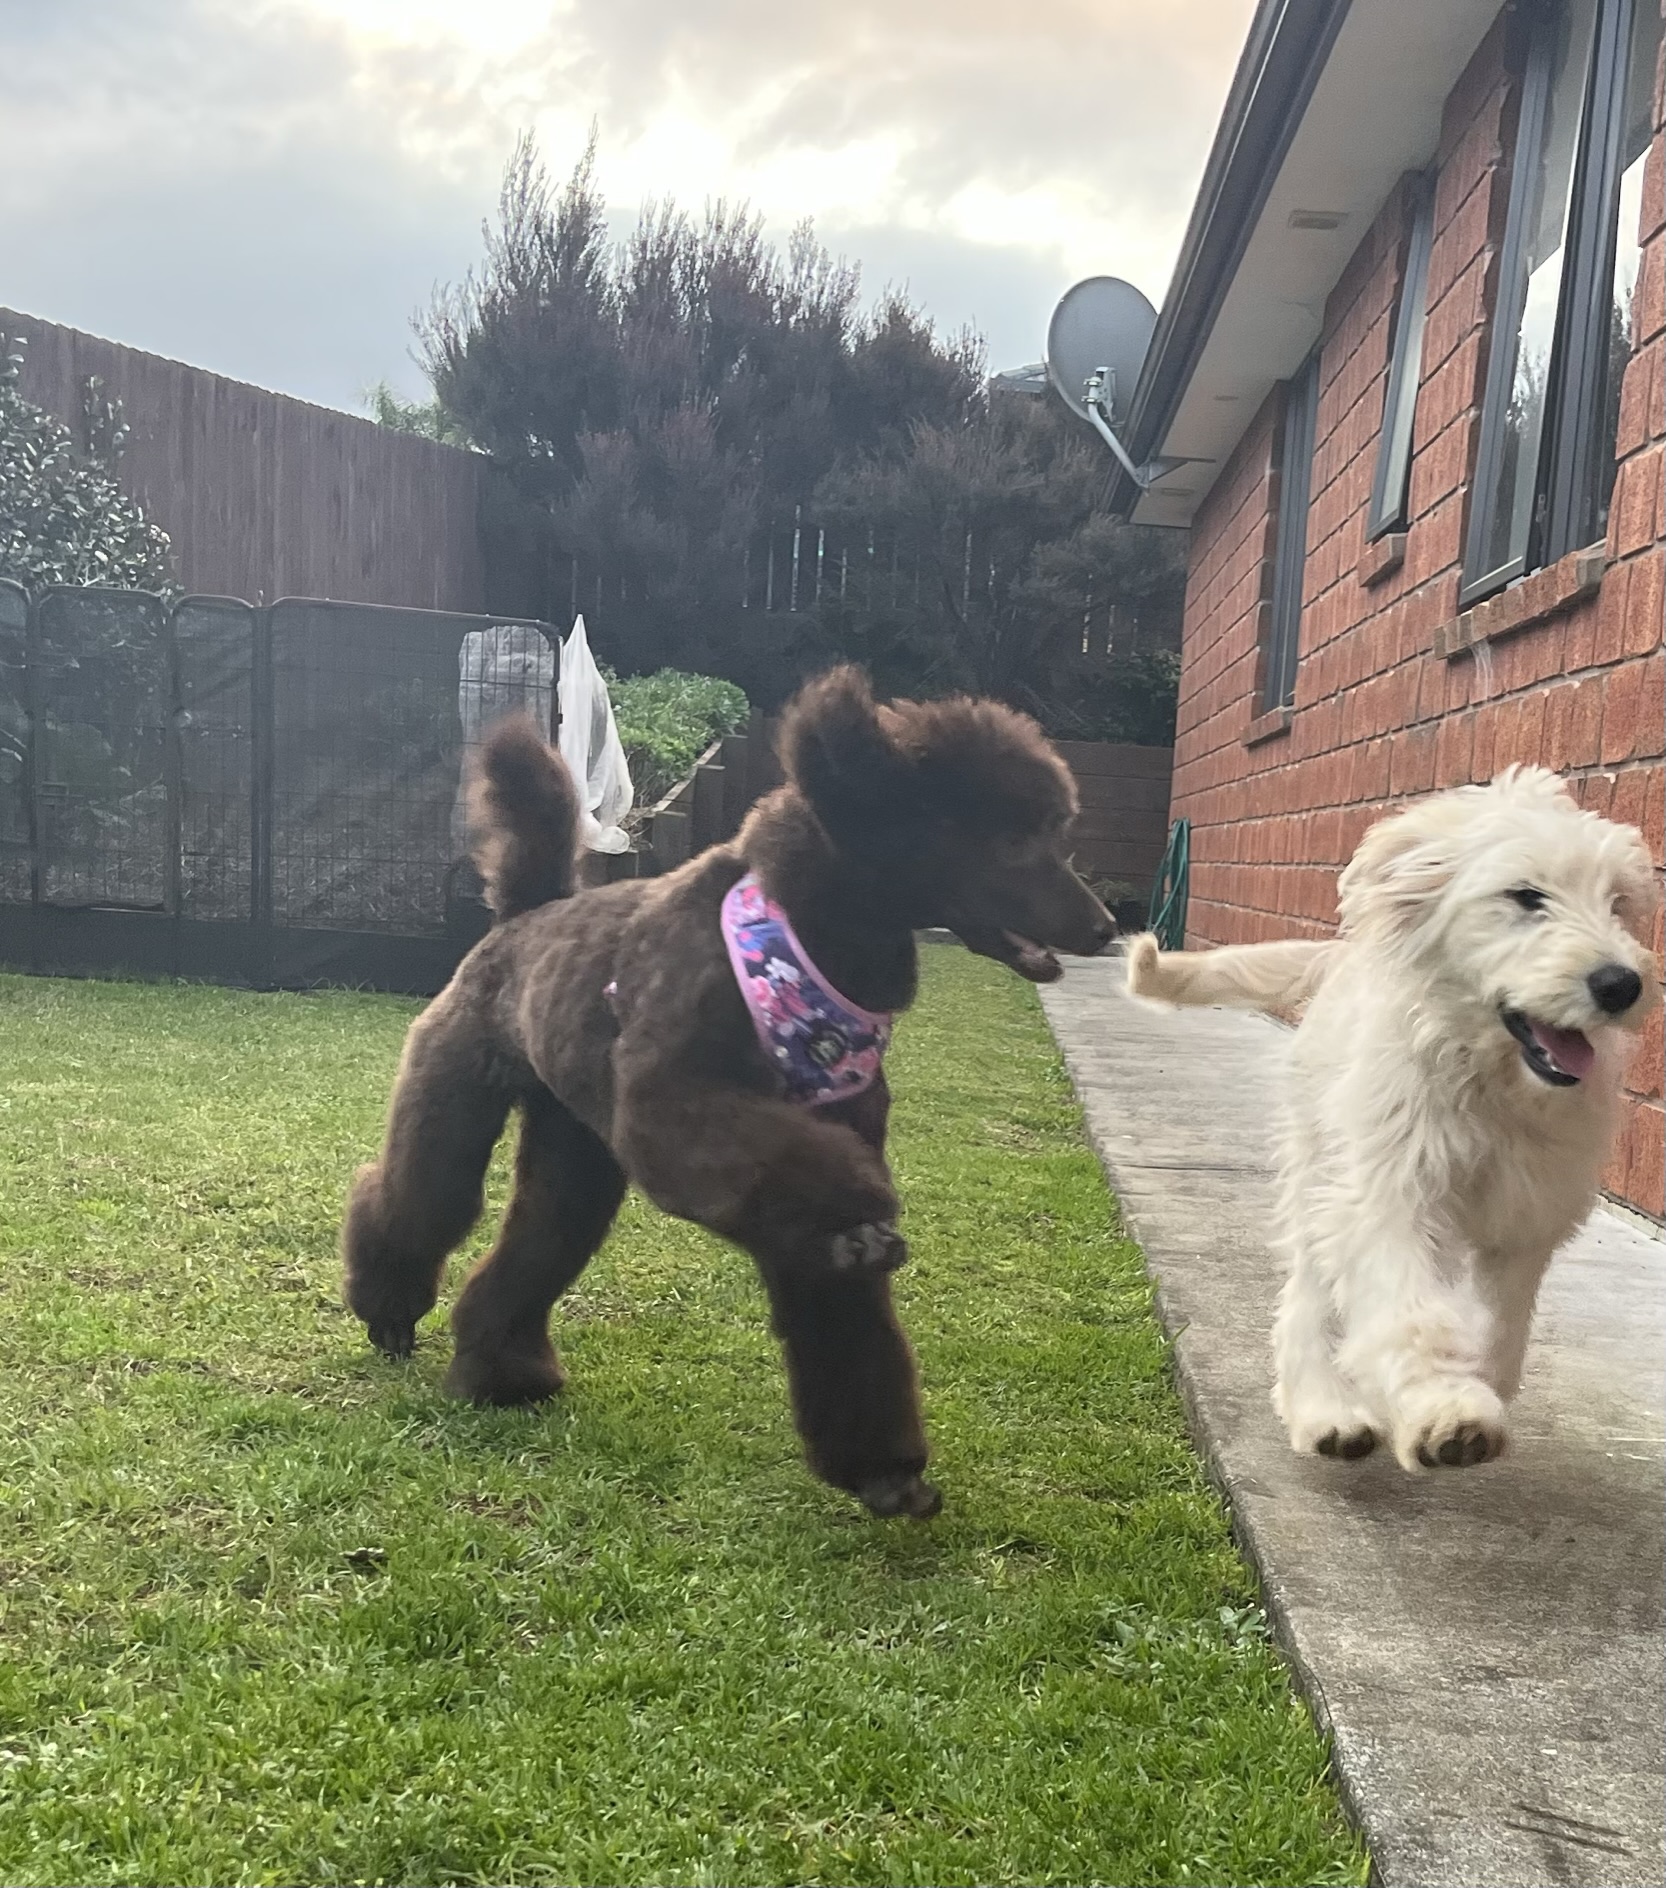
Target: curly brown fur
524, 818
892, 819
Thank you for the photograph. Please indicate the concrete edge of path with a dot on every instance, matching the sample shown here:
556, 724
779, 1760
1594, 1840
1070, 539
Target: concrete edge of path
1484, 1649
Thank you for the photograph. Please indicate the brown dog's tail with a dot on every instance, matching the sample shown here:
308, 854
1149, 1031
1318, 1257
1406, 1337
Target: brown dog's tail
1243, 977
524, 819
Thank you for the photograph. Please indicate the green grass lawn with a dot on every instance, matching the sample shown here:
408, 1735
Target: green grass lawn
272, 1610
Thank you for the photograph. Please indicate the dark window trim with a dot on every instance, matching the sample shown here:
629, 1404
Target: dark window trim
1574, 450
1506, 315
1570, 452
1405, 363
1295, 477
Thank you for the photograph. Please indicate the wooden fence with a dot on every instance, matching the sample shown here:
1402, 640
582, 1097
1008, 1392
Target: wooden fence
1123, 825
264, 496
1119, 837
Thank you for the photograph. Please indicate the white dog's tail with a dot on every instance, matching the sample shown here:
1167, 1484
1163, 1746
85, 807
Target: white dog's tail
1244, 976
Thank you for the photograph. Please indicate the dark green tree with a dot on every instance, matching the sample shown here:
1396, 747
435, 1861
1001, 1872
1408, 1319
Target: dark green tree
1001, 570
646, 406
659, 412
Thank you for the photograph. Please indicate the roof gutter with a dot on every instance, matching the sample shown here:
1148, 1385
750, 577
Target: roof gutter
1288, 45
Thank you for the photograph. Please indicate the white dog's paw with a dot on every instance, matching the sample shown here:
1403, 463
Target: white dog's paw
1350, 1441
1456, 1426
1144, 969
1319, 1427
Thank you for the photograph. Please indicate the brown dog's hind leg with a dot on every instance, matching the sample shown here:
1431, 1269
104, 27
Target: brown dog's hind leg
415, 1205
855, 1394
567, 1190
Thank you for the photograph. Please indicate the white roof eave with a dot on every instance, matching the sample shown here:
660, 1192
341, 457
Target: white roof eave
1375, 113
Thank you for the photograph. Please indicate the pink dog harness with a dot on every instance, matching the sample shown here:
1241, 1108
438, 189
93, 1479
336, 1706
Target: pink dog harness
822, 1045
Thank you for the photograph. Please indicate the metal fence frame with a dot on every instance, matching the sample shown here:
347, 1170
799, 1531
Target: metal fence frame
255, 948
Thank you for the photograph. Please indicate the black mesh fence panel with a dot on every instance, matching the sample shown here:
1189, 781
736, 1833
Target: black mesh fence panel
214, 654
267, 795
16, 857
368, 736
101, 695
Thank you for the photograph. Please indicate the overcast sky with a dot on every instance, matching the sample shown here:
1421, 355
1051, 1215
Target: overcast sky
270, 187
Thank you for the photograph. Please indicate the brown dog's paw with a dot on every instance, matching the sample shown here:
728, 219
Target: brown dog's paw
393, 1337
510, 1379
875, 1247
903, 1493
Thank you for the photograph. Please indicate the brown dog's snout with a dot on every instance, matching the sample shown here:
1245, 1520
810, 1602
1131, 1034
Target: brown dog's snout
1087, 927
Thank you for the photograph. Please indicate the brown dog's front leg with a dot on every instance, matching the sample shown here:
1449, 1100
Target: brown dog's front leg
854, 1390
809, 1190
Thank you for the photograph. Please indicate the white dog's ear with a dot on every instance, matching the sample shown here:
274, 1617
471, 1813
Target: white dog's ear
1402, 864
1637, 883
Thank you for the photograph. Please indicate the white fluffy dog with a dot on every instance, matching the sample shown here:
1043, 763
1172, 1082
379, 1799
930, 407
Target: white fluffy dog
1453, 1097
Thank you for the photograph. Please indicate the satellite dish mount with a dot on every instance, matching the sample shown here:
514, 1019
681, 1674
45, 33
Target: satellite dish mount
1096, 346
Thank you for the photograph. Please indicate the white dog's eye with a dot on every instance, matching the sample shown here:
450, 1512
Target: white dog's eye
1529, 897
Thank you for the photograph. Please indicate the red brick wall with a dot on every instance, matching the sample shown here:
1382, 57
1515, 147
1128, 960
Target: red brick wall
1381, 711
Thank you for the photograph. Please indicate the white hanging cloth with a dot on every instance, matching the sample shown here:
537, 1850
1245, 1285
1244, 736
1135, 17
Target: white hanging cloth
589, 743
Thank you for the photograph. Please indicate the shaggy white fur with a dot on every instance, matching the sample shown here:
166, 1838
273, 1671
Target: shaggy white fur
1452, 1100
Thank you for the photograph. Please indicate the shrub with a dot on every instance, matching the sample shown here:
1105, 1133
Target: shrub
667, 720
63, 517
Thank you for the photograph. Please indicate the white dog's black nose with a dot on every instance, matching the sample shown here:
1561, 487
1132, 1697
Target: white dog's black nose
1614, 988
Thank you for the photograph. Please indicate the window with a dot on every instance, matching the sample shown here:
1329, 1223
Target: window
1295, 465
1563, 327
1388, 494
1623, 107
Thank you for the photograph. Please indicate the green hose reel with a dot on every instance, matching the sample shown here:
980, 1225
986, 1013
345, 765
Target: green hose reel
1167, 916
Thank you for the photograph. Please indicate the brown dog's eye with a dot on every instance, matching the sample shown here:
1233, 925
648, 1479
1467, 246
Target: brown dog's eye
1529, 897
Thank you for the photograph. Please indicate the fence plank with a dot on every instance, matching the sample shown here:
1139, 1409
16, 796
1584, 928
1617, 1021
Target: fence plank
1116, 758
265, 496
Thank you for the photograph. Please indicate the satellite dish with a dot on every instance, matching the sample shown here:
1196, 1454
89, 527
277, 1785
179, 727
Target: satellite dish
1101, 327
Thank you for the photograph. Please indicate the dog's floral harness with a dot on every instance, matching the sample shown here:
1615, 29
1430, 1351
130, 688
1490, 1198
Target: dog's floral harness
824, 1048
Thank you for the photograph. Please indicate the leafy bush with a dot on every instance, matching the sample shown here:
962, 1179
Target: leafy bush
667, 721
63, 517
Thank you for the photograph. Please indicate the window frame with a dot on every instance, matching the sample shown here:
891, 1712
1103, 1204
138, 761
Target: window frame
1298, 438
1569, 461
1391, 487
1574, 449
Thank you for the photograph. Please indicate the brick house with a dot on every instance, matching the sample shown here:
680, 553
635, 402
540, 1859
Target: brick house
1413, 351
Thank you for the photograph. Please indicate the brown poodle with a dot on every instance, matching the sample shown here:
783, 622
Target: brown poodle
614, 1020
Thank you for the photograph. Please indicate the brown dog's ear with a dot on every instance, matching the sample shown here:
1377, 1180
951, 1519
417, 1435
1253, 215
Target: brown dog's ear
835, 750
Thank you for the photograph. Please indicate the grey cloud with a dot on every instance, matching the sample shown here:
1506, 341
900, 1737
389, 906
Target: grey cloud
217, 192
246, 188
1121, 98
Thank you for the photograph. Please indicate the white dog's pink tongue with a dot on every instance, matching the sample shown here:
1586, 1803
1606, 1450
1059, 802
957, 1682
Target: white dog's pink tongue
1567, 1048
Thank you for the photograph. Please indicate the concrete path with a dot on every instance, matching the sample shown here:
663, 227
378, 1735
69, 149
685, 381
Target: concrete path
1486, 1646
